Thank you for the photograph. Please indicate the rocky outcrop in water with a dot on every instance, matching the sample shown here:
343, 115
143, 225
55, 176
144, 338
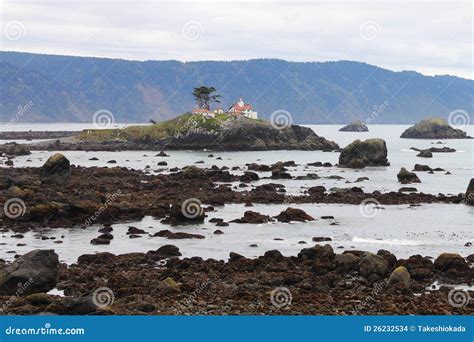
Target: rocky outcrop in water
359, 154
434, 128
355, 126
406, 177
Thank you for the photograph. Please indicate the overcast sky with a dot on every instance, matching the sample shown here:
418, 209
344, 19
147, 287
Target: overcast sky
432, 37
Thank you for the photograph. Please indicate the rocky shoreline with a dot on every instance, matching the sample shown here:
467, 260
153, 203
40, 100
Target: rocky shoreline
159, 282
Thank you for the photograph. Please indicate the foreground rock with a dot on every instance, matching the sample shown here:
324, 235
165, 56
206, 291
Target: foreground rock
355, 126
434, 128
359, 154
36, 271
159, 282
406, 177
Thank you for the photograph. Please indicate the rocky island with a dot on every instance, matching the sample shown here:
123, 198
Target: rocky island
434, 128
196, 132
355, 126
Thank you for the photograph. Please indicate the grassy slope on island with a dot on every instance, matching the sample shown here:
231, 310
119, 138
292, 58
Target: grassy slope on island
170, 128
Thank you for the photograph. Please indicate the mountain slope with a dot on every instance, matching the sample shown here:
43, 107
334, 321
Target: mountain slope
72, 89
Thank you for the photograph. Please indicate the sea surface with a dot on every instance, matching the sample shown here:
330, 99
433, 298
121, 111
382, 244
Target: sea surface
429, 229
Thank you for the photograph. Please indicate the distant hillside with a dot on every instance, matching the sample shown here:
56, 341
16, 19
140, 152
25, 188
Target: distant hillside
72, 89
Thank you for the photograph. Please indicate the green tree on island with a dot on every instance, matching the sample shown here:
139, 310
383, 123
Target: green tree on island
203, 96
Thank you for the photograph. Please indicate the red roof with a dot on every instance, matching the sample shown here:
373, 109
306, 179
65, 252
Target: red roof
238, 108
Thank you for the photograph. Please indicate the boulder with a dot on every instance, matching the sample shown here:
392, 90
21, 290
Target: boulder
446, 261
434, 128
187, 212
406, 177
293, 214
419, 267
253, 217
177, 235
99, 241
399, 275
56, 169
249, 176
470, 192
359, 154
347, 262
407, 189
317, 252
135, 230
279, 173
355, 126
317, 190
166, 251
321, 258
33, 272
425, 154
372, 264
420, 167
258, 167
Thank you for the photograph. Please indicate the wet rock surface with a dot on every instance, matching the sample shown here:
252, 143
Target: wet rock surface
320, 281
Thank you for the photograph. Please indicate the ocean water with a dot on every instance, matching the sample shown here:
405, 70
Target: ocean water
429, 229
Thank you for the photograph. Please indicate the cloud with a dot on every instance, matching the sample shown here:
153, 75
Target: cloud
431, 37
